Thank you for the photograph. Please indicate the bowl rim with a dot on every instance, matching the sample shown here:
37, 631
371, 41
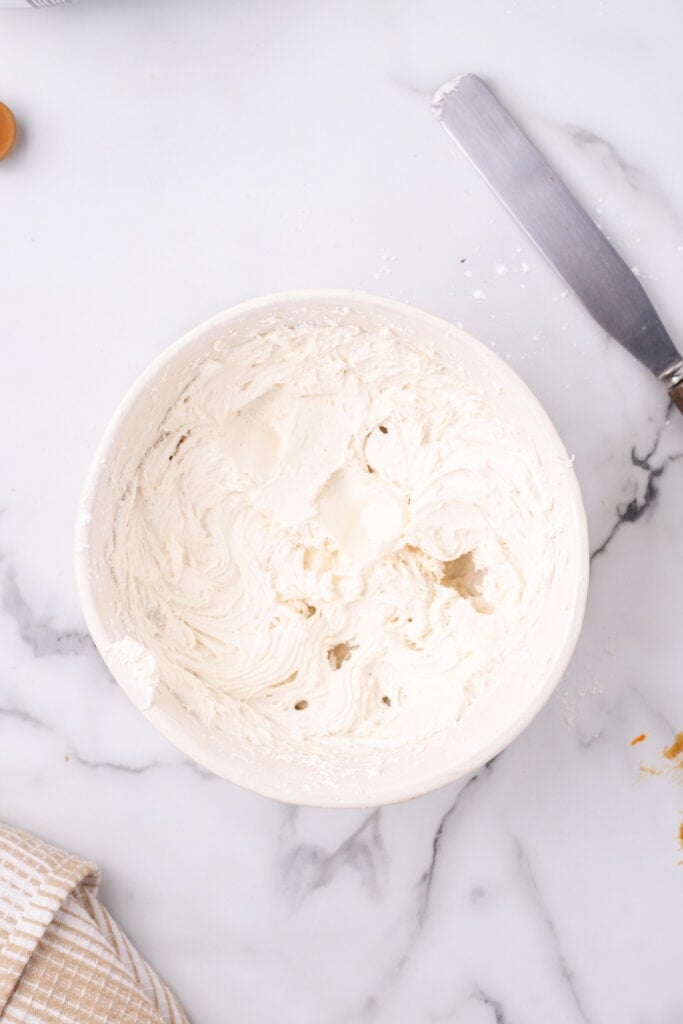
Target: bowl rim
169, 727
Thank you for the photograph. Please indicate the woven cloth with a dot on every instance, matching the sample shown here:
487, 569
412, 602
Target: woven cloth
63, 960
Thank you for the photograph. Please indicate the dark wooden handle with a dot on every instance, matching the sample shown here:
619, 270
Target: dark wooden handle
676, 393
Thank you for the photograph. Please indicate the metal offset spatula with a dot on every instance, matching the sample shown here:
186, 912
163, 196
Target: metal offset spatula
559, 226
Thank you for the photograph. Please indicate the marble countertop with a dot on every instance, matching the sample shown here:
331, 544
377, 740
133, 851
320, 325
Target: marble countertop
178, 156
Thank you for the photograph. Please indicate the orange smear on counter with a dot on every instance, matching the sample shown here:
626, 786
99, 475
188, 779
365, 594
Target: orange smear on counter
676, 747
673, 753
639, 739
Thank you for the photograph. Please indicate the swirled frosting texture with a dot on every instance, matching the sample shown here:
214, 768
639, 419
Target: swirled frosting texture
335, 544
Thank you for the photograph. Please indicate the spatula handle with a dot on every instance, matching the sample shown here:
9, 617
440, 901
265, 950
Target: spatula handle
673, 379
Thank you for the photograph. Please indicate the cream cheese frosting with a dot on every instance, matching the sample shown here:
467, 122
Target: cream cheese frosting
334, 546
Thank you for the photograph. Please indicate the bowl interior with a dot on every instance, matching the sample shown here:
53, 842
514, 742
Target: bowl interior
494, 719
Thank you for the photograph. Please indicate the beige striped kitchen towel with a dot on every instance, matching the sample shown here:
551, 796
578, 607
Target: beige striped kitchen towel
63, 960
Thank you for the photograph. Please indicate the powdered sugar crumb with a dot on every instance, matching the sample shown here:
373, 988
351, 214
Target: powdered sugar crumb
569, 700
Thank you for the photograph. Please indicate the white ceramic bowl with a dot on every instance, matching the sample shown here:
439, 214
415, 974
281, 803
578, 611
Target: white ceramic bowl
493, 721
